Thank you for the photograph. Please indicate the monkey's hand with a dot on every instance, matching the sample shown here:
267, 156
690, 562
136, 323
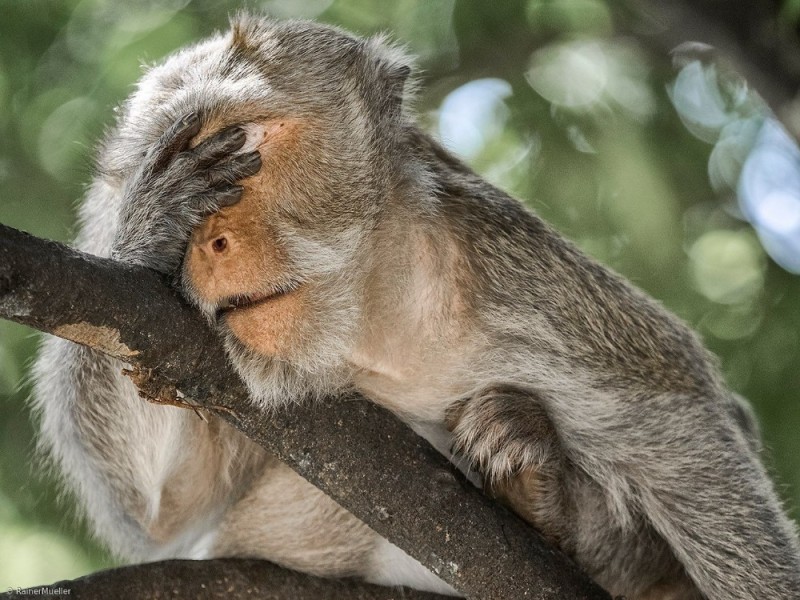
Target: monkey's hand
505, 433
175, 188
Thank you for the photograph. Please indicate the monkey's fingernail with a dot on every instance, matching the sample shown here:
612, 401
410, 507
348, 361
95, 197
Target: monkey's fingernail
229, 194
252, 161
233, 134
191, 121
226, 141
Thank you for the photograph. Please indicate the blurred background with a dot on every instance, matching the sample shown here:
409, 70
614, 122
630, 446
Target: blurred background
667, 168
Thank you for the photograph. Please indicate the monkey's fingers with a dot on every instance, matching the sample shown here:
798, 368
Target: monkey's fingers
235, 168
502, 430
219, 145
174, 140
219, 196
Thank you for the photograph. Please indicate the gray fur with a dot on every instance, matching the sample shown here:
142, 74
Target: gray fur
597, 414
158, 482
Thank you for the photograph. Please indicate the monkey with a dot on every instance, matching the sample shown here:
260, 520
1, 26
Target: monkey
356, 253
157, 482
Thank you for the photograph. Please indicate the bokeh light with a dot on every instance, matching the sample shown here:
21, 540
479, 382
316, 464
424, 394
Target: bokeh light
590, 75
727, 266
769, 193
752, 155
472, 114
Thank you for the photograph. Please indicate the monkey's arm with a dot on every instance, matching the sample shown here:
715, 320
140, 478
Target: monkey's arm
696, 515
148, 478
152, 480
505, 432
679, 536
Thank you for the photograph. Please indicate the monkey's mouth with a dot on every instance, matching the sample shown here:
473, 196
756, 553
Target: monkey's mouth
244, 301
233, 303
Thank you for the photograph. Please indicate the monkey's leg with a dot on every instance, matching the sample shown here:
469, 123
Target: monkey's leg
506, 434
706, 493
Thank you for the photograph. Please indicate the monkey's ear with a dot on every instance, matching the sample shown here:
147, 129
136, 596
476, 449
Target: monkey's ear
388, 70
246, 30
395, 80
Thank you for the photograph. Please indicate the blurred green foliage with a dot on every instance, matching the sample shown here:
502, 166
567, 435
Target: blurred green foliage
601, 154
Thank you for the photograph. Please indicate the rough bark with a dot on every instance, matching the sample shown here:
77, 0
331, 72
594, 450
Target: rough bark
220, 579
353, 450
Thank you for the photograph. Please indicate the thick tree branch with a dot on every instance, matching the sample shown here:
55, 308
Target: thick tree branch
220, 579
354, 451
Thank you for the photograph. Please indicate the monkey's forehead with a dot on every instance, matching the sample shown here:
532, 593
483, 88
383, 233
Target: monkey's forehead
228, 74
260, 68
236, 67
200, 79
196, 76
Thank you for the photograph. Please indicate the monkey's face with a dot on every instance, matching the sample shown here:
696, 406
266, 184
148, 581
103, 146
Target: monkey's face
237, 266
269, 269
279, 269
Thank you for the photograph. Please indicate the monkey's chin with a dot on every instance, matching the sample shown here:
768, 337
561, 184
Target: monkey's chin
267, 323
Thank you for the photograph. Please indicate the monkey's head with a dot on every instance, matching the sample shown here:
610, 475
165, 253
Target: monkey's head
280, 271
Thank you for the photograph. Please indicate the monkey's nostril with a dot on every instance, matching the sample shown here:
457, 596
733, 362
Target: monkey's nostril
219, 244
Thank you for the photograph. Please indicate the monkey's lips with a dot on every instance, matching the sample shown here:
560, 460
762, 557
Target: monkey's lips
245, 301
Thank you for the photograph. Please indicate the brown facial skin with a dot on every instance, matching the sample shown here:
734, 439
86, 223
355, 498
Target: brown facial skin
236, 254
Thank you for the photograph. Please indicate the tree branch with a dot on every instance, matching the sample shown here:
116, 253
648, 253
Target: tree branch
356, 452
219, 579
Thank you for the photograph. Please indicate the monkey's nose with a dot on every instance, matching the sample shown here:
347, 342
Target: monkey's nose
219, 245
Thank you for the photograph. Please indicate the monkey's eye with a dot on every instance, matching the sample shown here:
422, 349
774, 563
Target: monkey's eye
219, 244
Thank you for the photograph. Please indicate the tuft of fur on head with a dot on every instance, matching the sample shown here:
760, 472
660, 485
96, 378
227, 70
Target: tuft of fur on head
377, 68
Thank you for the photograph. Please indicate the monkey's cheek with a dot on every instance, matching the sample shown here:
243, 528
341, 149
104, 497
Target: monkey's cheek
270, 328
